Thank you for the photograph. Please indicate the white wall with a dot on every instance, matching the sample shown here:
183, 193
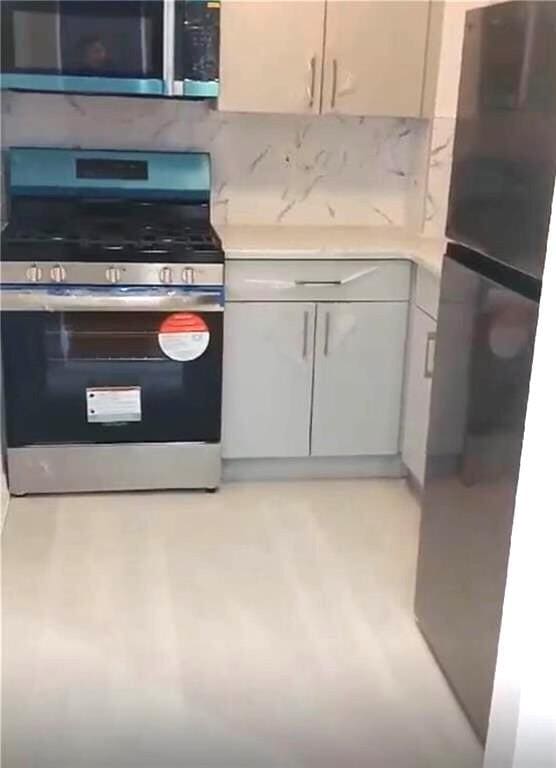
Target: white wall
268, 169
522, 730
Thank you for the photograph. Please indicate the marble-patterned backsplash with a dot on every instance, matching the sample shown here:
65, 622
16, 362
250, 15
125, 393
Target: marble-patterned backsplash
438, 176
267, 169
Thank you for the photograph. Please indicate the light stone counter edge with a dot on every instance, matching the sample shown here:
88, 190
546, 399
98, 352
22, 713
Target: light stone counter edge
246, 242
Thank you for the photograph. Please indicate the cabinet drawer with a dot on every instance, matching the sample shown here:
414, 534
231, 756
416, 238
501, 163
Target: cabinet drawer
286, 280
427, 292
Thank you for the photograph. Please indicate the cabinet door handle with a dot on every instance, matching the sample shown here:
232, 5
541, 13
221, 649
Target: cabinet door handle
334, 83
305, 334
313, 68
326, 333
429, 367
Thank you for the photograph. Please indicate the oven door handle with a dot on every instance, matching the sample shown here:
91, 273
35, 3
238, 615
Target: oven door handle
26, 300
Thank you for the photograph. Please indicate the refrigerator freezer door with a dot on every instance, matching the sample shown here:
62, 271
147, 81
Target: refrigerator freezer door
505, 148
479, 394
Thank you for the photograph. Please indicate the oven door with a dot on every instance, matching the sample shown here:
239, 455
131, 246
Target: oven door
83, 46
196, 50
112, 376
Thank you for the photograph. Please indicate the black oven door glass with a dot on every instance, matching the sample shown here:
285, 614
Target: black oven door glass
100, 38
55, 364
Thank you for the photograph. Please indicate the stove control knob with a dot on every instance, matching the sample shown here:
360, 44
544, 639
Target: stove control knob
34, 273
189, 275
113, 275
58, 273
166, 275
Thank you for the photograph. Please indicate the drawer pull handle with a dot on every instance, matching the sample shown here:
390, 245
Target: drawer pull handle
429, 366
305, 283
311, 283
343, 281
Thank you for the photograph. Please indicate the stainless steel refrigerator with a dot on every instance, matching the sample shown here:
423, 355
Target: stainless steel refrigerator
501, 192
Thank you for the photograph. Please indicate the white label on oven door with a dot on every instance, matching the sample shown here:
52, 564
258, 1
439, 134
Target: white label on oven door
106, 405
184, 336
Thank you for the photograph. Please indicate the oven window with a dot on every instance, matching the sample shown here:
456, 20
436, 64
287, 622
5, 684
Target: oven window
103, 337
82, 37
52, 360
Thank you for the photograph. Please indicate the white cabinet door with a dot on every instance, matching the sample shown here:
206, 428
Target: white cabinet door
418, 393
271, 56
375, 57
359, 364
268, 366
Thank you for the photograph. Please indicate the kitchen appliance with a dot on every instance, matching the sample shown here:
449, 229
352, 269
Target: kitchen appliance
112, 312
502, 184
142, 47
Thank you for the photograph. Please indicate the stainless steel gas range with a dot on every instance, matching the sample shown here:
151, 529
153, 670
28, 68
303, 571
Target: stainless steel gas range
112, 296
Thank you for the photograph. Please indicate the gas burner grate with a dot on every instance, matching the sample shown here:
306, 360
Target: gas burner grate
145, 236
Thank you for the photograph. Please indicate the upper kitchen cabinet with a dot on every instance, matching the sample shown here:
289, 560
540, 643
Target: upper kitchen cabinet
271, 56
360, 57
376, 57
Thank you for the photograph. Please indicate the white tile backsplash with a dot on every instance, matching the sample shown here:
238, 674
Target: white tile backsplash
267, 169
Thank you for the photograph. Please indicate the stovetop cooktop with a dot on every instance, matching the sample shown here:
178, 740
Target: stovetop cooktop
108, 207
134, 233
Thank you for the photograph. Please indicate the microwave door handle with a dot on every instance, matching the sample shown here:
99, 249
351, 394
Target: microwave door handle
168, 45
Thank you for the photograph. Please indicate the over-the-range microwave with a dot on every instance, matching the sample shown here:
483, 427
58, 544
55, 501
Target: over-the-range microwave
142, 47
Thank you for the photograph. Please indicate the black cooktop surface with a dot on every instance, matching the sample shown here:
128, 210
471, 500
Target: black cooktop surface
110, 231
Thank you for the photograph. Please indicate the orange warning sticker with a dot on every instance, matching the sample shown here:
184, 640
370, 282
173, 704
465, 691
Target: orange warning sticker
183, 336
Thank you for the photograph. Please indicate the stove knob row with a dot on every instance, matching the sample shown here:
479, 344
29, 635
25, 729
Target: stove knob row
113, 275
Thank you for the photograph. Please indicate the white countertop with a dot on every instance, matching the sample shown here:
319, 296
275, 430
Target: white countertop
283, 242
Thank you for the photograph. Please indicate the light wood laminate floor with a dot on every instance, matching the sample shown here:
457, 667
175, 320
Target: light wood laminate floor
267, 626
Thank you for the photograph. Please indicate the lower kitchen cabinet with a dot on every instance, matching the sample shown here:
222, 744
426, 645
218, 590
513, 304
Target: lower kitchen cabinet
359, 368
268, 371
321, 379
314, 355
418, 392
